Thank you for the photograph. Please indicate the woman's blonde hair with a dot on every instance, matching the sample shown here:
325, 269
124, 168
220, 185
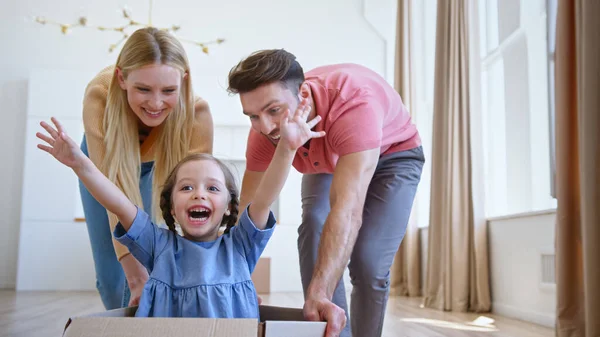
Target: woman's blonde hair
122, 163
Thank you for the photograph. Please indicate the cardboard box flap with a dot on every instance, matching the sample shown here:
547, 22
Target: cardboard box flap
287, 322
294, 329
121, 312
271, 313
98, 326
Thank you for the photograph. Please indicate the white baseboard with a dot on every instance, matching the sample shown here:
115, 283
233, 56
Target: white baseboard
544, 319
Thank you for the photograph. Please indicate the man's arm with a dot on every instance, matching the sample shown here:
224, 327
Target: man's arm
250, 183
351, 180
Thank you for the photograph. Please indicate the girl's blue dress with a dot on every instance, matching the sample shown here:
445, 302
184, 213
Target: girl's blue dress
197, 279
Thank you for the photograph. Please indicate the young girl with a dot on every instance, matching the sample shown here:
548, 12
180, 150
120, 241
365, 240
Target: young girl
200, 274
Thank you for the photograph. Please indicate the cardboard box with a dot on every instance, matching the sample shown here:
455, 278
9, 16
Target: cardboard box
274, 322
261, 277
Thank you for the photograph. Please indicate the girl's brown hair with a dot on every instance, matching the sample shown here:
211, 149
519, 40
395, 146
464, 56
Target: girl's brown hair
166, 196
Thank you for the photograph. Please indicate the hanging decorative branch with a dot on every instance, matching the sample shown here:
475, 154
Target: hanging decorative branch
83, 22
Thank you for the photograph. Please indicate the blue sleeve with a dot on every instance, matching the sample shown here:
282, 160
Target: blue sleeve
250, 240
144, 240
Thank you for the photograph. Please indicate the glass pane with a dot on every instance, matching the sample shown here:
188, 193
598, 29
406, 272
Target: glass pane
485, 127
509, 16
488, 26
492, 25
482, 7
552, 7
494, 135
518, 124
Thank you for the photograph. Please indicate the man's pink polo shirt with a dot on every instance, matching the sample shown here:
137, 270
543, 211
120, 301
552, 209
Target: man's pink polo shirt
359, 110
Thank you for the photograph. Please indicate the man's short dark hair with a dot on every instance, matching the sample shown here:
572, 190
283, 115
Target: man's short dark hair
265, 67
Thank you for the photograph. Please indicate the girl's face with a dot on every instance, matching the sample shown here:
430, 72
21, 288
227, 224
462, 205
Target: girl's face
152, 92
200, 199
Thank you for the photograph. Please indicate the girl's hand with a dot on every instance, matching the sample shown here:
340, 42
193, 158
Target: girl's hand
60, 146
295, 130
136, 276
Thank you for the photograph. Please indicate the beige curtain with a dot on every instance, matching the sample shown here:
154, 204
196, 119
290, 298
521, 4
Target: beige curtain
457, 263
406, 269
578, 168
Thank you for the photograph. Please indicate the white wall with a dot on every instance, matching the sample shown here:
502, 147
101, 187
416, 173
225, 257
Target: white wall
361, 31
516, 245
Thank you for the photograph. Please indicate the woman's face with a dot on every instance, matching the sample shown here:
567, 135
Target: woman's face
152, 92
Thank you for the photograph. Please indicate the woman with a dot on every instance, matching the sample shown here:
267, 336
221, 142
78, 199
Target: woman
140, 119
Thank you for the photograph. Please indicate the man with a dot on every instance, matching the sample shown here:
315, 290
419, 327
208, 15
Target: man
359, 181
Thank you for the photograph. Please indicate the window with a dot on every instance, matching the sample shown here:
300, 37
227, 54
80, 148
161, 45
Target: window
422, 35
515, 101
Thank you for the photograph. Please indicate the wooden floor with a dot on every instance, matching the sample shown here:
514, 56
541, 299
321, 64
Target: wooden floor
44, 314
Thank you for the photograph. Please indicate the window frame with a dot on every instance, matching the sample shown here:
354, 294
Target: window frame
551, 11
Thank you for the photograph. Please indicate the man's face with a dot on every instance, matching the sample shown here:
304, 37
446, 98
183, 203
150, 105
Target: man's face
265, 105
